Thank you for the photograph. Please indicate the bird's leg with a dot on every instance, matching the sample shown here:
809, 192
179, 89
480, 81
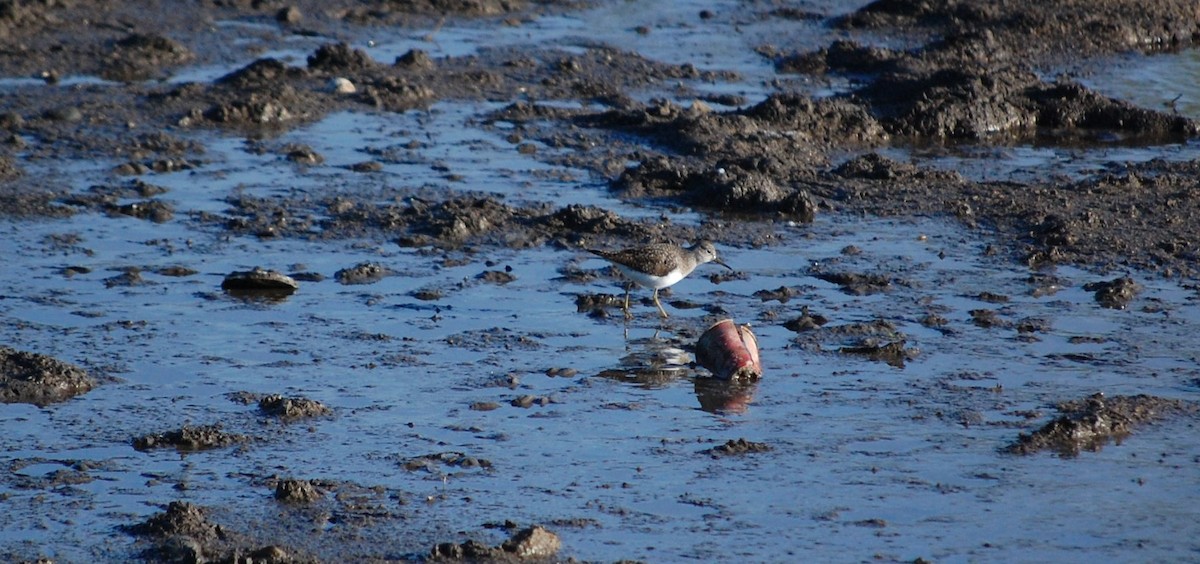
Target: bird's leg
626, 310
660, 307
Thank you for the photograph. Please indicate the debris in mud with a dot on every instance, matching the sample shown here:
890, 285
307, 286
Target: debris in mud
1088, 424
187, 438
38, 379
431, 462
362, 273
531, 543
729, 351
259, 283
1115, 293
737, 447
291, 409
297, 491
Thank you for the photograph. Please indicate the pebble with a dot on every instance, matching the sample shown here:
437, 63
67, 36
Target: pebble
341, 85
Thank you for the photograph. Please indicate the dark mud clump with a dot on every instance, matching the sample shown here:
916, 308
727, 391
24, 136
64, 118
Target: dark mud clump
184, 533
189, 437
363, 273
1116, 293
736, 448
893, 353
856, 284
979, 78
130, 278
531, 543
259, 284
432, 462
27, 377
1054, 27
877, 340
1090, 423
140, 56
807, 321
297, 491
499, 277
988, 319
292, 409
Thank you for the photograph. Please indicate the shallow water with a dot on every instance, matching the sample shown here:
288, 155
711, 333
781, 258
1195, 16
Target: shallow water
867, 461
1164, 81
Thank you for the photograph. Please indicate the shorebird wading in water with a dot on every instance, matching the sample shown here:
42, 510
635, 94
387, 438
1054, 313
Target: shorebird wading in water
659, 265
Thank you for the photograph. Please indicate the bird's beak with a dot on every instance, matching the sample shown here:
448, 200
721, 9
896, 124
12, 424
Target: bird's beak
722, 263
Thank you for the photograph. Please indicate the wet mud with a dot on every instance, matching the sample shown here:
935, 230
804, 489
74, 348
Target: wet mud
185, 533
27, 377
106, 108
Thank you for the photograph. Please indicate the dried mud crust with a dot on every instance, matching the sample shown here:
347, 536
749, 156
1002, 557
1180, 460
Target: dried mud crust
27, 377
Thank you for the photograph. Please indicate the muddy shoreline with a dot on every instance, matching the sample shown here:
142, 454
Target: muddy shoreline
98, 88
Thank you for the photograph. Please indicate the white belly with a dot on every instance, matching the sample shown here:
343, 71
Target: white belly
648, 281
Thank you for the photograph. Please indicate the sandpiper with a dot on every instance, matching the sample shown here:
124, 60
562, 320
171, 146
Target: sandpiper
659, 265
